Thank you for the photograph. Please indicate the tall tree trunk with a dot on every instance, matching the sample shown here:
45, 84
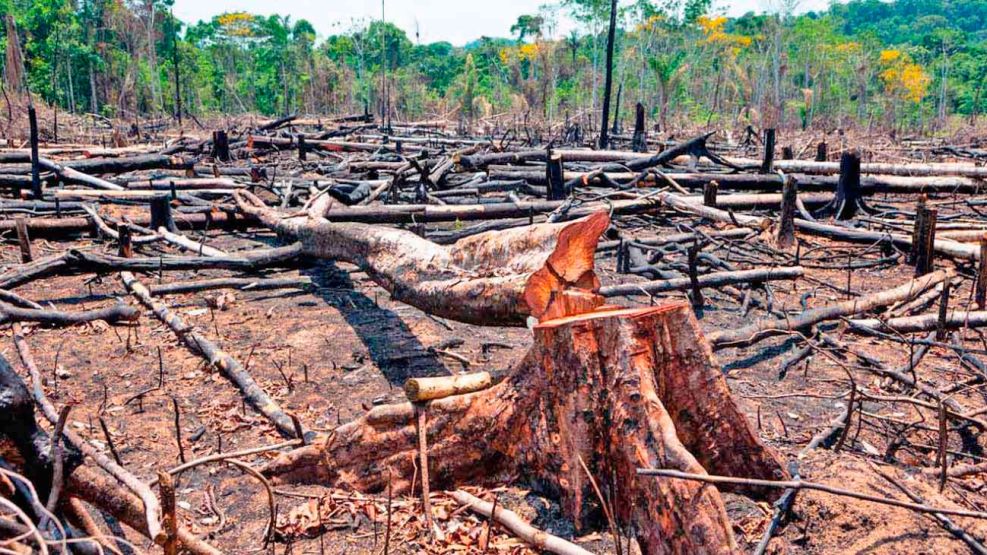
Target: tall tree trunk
608, 80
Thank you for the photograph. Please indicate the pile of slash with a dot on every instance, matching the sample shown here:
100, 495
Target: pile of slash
204, 334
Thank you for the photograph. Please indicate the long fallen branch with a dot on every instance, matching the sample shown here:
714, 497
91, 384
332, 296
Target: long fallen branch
923, 322
517, 525
802, 484
229, 366
780, 326
110, 314
152, 510
713, 279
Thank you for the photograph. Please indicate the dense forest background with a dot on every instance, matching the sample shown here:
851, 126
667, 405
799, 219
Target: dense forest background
919, 64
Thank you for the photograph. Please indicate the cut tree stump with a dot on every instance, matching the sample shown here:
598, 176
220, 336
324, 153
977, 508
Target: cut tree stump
614, 389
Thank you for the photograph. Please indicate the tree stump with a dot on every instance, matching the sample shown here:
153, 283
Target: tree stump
599, 394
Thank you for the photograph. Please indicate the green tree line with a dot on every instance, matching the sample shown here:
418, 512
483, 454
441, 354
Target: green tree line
908, 62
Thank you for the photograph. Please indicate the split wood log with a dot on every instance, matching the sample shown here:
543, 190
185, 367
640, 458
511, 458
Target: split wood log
780, 326
510, 520
616, 389
429, 389
497, 278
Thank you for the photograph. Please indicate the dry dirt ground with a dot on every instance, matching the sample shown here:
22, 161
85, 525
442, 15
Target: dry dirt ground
330, 352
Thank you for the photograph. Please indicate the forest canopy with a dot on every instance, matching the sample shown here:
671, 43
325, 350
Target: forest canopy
865, 60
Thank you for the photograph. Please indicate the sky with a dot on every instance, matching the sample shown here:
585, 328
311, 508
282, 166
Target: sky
455, 21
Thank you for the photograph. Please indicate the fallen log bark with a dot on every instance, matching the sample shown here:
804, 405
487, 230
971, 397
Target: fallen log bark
780, 326
614, 389
498, 278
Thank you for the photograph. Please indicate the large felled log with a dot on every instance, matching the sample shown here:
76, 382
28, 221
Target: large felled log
600, 394
498, 278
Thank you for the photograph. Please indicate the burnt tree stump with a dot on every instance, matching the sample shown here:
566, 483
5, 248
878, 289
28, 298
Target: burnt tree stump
556, 177
848, 195
785, 236
639, 143
767, 164
614, 389
221, 146
161, 213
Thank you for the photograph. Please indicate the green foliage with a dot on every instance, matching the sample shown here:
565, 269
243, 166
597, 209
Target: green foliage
118, 58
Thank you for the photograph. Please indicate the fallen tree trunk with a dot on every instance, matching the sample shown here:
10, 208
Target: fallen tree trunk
598, 396
121, 164
753, 182
53, 227
74, 261
874, 168
497, 278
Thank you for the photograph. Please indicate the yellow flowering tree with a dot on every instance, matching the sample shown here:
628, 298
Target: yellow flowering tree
903, 78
